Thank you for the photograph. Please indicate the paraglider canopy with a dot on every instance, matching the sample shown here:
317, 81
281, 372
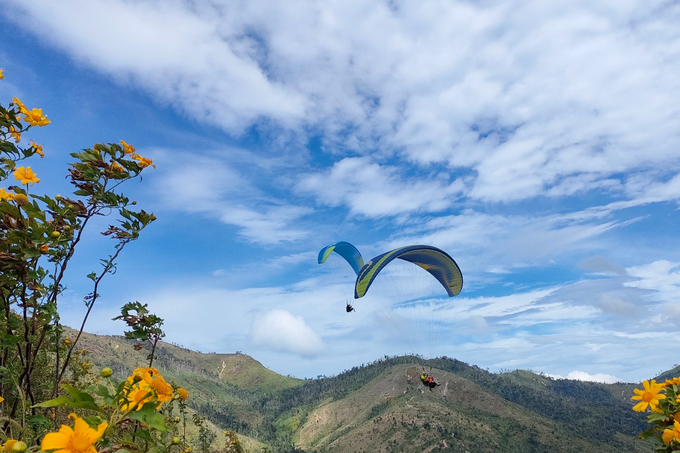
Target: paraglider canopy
435, 261
345, 250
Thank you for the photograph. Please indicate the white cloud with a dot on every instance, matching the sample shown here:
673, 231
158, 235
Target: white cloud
270, 226
661, 276
483, 242
535, 99
181, 56
208, 184
430, 108
583, 376
373, 190
281, 331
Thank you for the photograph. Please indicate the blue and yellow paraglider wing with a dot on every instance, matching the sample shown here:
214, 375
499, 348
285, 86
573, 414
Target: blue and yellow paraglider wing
345, 250
433, 260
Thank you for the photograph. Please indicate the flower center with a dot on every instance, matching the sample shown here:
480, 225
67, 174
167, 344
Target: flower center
647, 397
80, 443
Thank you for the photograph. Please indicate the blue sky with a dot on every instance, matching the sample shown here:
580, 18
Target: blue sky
537, 143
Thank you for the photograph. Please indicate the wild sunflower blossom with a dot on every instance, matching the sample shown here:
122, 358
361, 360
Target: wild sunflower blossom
16, 135
182, 393
9, 196
38, 148
79, 439
35, 117
142, 161
139, 394
7, 446
25, 175
674, 381
147, 383
669, 435
2, 74
649, 397
163, 389
127, 149
18, 103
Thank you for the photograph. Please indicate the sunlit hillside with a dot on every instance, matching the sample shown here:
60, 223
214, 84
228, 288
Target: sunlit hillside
384, 407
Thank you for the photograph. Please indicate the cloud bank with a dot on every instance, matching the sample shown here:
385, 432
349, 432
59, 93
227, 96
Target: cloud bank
281, 331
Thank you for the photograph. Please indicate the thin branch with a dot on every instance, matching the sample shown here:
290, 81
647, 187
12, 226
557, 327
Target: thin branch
106, 270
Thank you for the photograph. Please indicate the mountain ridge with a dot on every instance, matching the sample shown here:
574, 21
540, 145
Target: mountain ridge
383, 406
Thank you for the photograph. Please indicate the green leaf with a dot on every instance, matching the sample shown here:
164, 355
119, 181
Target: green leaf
93, 420
81, 400
39, 422
92, 276
7, 341
656, 417
148, 415
102, 391
648, 433
61, 401
144, 435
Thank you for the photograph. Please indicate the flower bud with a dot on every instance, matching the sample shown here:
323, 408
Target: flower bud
175, 440
21, 199
177, 419
106, 372
57, 197
56, 234
19, 447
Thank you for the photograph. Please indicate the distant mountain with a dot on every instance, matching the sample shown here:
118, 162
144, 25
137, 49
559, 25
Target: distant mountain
383, 406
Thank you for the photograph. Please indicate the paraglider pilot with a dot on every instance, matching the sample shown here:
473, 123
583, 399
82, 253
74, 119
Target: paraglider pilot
349, 307
428, 380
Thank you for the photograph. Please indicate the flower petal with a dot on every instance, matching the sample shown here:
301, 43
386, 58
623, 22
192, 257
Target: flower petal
56, 440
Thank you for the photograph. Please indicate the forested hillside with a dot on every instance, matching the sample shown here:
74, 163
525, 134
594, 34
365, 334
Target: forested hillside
382, 406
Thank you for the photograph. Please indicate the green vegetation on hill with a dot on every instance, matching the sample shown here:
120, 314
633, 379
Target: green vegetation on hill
382, 406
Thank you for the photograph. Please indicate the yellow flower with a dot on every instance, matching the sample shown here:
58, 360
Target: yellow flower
182, 393
127, 149
25, 175
2, 399
163, 389
671, 434
153, 379
44, 248
115, 166
4, 195
36, 118
18, 103
7, 447
79, 439
650, 396
674, 381
149, 383
142, 161
140, 394
16, 135
38, 148
2, 74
